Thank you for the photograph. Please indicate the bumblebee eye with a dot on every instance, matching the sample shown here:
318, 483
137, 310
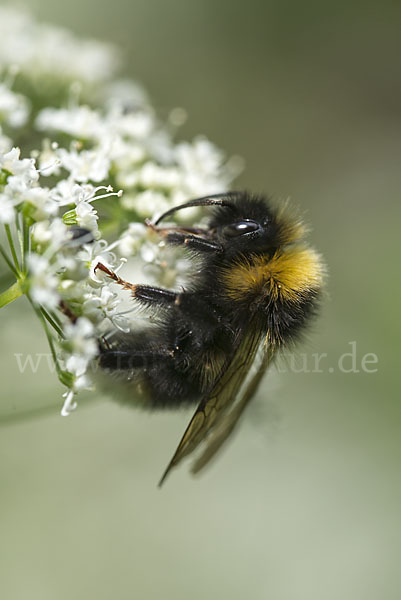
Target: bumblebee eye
240, 228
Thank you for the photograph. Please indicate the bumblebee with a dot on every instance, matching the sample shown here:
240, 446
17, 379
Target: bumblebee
257, 287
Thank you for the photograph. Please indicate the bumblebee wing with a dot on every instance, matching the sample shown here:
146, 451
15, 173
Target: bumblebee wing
226, 426
213, 409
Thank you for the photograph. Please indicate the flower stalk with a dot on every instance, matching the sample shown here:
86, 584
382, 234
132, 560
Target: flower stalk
11, 294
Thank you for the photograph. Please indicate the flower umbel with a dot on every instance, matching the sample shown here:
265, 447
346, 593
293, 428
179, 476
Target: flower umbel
59, 215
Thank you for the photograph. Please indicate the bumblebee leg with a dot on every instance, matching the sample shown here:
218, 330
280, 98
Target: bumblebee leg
194, 242
146, 294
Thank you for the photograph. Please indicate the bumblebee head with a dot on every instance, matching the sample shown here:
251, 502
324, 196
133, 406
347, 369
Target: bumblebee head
245, 223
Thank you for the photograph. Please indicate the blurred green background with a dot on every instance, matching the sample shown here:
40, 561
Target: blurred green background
305, 503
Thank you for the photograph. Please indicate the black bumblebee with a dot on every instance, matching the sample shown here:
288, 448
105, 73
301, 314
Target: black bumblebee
257, 286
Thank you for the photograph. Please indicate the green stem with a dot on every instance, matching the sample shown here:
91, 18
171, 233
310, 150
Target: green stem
49, 339
12, 247
65, 378
52, 321
26, 243
20, 238
11, 294
8, 261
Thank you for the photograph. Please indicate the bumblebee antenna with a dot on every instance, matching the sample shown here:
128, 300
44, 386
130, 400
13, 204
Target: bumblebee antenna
214, 200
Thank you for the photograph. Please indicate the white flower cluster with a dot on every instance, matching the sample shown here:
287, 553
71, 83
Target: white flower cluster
40, 50
154, 171
14, 108
56, 267
57, 205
